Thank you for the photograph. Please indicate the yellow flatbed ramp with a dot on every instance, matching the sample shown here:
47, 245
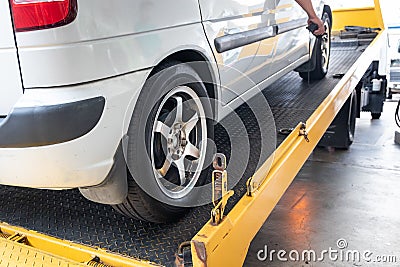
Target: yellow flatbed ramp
67, 230
20, 247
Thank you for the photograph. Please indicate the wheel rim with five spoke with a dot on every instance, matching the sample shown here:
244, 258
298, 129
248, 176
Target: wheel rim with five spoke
178, 140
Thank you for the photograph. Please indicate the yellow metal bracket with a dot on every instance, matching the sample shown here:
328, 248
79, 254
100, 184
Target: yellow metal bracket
250, 187
303, 131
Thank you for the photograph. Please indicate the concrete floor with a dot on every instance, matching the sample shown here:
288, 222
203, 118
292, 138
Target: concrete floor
352, 195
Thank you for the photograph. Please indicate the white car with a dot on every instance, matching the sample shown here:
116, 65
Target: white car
83, 79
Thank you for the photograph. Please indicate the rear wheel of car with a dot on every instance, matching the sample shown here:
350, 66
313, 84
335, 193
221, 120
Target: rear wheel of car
322, 52
166, 151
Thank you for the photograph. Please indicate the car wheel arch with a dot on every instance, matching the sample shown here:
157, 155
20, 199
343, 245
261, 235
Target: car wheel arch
208, 71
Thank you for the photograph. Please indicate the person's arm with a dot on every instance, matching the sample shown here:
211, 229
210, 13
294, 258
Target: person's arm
312, 17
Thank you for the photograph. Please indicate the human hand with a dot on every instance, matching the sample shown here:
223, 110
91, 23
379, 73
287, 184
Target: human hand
321, 29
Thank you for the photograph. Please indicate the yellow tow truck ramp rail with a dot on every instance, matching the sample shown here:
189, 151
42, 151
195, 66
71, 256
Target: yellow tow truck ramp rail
20, 247
240, 226
98, 236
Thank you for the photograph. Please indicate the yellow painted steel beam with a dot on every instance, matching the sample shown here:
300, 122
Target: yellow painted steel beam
227, 244
20, 247
365, 17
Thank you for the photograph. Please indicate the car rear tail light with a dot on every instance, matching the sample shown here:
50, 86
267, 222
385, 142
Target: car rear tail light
42, 14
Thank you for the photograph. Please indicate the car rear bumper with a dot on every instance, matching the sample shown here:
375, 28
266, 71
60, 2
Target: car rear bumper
48, 125
67, 137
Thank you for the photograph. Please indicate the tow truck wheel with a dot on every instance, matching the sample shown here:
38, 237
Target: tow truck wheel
166, 153
322, 51
376, 116
340, 133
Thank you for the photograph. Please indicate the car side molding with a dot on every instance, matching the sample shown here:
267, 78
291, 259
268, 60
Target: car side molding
235, 40
232, 41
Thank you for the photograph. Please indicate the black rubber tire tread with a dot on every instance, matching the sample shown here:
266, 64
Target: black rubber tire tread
140, 206
376, 116
351, 127
121, 208
343, 126
353, 120
318, 73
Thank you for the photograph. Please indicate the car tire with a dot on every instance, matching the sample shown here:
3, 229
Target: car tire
340, 133
351, 127
322, 51
167, 147
376, 116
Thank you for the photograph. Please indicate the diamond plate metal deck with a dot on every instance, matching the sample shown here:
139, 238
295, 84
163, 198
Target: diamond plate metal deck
67, 215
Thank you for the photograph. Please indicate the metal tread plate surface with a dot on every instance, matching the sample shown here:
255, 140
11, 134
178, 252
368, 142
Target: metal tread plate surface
67, 215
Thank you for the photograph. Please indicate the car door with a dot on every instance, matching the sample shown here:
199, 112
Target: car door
234, 29
263, 60
292, 41
10, 79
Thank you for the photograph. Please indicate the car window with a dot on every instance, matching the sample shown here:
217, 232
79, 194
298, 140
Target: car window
395, 63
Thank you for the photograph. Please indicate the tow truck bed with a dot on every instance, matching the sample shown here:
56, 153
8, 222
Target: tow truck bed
67, 215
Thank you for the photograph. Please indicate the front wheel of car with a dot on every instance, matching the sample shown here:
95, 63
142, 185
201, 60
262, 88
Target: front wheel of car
322, 50
166, 151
